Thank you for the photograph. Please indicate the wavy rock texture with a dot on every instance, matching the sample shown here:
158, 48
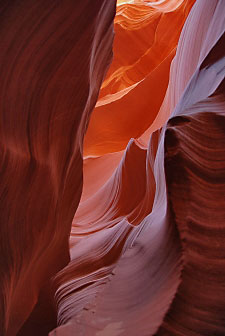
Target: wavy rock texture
147, 241
145, 43
52, 66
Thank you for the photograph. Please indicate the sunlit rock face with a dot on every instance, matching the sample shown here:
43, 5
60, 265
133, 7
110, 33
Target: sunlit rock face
54, 56
145, 44
147, 240
144, 194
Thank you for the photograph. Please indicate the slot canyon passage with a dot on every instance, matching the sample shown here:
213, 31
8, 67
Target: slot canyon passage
112, 167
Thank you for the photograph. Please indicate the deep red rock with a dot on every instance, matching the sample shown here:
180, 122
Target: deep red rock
54, 56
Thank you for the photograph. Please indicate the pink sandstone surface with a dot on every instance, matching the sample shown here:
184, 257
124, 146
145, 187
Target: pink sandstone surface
112, 183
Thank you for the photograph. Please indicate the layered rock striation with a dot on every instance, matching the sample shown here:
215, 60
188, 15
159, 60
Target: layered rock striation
54, 56
146, 241
144, 190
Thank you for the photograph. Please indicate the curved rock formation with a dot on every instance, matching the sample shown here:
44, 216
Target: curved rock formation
147, 240
145, 44
52, 66
151, 229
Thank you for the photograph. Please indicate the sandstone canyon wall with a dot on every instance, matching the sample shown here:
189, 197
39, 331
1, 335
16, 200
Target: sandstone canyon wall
54, 55
146, 241
145, 253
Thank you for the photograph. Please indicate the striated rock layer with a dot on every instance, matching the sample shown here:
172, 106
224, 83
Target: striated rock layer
53, 59
146, 249
147, 245
145, 44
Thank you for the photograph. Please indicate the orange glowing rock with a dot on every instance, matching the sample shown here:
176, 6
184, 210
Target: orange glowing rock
145, 235
133, 91
145, 253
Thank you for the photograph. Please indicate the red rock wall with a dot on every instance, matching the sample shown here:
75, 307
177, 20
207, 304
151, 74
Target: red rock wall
146, 246
53, 58
146, 242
